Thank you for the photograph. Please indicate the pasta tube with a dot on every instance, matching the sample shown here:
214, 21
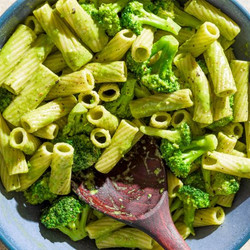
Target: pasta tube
74, 53
213, 216
109, 92
71, 84
31, 96
102, 118
117, 47
82, 23
100, 137
33, 24
89, 99
25, 69
14, 158
184, 34
233, 129
14, 49
55, 62
174, 184
206, 34
204, 11
108, 72
226, 143
225, 43
221, 107
147, 106
183, 229
125, 237
141, 48
160, 120
200, 87
219, 69
247, 136
48, 132
225, 200
240, 146
121, 143
227, 164
38, 164
61, 168
103, 226
48, 113
24, 141
240, 70
182, 116
10, 182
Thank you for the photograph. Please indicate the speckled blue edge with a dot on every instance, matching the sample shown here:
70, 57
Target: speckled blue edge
8, 13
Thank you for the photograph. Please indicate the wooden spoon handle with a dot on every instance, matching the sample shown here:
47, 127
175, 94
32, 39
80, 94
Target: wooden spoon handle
160, 226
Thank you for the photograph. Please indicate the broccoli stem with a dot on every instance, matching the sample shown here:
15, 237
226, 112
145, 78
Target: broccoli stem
159, 23
173, 136
168, 45
76, 230
184, 19
119, 5
176, 205
189, 216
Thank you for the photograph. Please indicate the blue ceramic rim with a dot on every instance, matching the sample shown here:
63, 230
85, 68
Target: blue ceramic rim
6, 16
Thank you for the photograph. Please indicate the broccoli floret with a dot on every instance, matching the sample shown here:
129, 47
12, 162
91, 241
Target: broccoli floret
120, 107
134, 16
5, 99
90, 8
162, 78
77, 121
164, 9
138, 68
39, 191
179, 158
224, 184
224, 121
85, 153
69, 215
141, 91
196, 180
192, 198
179, 136
107, 16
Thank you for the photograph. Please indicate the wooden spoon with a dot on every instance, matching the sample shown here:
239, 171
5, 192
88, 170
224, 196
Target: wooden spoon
134, 192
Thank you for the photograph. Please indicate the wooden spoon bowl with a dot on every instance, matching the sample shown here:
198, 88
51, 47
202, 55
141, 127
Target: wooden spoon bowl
134, 192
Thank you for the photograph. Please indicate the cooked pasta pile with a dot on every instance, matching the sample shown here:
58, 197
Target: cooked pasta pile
80, 87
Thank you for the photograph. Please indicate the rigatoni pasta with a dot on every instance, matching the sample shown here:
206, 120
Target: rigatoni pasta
14, 49
108, 72
200, 87
240, 70
82, 23
24, 141
204, 11
220, 71
206, 34
120, 144
38, 164
14, 159
48, 132
48, 113
113, 51
31, 96
73, 83
26, 68
74, 53
10, 182
61, 167
141, 48
109, 92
